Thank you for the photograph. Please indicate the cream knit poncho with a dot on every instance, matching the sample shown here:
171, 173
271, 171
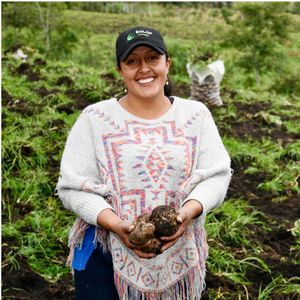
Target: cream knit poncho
113, 159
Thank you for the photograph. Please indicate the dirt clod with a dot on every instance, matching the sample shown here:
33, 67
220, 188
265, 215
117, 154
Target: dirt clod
26, 69
65, 80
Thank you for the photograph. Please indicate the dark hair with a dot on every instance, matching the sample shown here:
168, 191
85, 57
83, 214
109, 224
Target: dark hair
168, 88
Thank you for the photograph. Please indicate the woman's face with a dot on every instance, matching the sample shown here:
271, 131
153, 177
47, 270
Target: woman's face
145, 72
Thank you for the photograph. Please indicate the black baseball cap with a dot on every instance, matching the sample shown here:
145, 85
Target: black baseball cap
137, 36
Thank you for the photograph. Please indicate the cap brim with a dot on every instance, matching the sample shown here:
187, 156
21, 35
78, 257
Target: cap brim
124, 55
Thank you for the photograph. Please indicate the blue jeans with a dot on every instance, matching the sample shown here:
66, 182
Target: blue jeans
96, 282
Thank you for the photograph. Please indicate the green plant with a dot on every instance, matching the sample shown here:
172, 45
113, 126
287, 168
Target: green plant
256, 31
279, 286
228, 224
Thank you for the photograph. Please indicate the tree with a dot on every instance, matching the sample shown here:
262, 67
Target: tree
257, 30
42, 19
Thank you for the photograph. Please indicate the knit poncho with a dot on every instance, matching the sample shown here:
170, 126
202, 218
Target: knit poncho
113, 159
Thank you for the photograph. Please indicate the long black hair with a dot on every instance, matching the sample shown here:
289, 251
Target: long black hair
168, 87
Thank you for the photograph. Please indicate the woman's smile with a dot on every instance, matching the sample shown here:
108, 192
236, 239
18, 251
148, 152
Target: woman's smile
144, 81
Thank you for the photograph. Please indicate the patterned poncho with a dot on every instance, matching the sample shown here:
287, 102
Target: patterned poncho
113, 159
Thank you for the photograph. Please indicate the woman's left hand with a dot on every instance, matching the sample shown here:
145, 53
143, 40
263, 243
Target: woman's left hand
186, 213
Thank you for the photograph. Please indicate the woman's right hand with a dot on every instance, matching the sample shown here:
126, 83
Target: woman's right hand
110, 221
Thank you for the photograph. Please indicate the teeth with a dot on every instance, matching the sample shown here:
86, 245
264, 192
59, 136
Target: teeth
146, 80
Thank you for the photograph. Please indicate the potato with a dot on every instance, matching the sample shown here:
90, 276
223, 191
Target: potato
164, 219
152, 246
149, 228
143, 230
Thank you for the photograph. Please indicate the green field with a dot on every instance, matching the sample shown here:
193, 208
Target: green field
254, 237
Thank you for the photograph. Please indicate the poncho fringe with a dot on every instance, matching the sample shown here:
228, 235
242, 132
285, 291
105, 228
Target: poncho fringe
189, 287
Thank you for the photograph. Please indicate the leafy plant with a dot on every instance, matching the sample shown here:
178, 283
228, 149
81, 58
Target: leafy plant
256, 31
280, 286
228, 224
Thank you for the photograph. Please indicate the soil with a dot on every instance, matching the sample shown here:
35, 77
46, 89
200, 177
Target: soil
115, 87
40, 62
280, 216
22, 106
251, 124
80, 97
28, 70
26, 284
65, 80
215, 282
44, 92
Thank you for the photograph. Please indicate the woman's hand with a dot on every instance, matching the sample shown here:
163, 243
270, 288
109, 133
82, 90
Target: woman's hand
110, 221
187, 212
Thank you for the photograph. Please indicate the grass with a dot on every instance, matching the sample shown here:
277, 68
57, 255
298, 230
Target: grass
224, 224
31, 150
41, 237
99, 23
228, 228
279, 287
266, 156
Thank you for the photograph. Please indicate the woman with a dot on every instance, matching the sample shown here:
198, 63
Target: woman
124, 157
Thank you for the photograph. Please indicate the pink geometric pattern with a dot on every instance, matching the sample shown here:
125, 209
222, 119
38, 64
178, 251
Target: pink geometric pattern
177, 267
190, 253
147, 279
118, 255
155, 164
131, 269
151, 152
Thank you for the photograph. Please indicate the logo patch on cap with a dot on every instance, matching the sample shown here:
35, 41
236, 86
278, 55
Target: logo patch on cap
130, 36
143, 32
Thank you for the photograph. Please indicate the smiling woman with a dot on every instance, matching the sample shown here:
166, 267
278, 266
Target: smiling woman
143, 63
145, 74
124, 158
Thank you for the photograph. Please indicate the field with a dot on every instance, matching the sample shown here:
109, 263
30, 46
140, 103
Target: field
254, 237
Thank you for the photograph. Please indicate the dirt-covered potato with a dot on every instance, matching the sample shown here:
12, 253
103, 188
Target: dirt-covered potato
149, 228
164, 219
143, 230
152, 246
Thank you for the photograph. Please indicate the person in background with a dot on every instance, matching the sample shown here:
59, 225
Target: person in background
123, 157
